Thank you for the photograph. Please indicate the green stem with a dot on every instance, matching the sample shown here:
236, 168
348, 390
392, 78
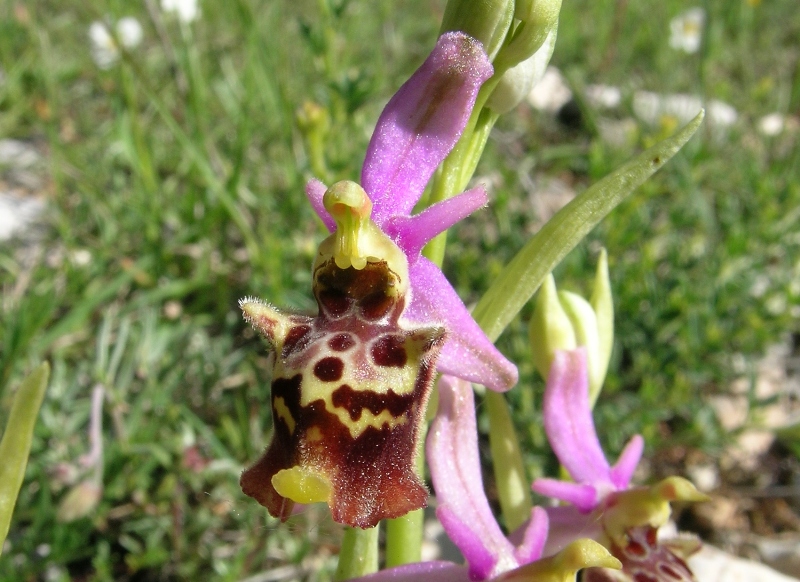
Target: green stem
509, 470
404, 539
404, 534
359, 553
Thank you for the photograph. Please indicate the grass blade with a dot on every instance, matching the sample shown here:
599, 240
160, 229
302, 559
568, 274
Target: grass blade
16, 444
520, 279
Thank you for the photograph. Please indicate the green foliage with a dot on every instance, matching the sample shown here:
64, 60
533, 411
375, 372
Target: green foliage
15, 445
175, 188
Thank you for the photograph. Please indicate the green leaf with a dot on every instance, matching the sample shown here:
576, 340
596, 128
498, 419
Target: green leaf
520, 279
16, 444
790, 437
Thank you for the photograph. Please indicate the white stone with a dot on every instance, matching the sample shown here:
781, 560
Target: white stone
713, 565
17, 214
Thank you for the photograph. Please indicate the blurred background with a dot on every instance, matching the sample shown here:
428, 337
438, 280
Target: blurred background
153, 157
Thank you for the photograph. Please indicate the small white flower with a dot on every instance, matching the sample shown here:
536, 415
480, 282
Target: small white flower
551, 93
653, 107
604, 96
772, 124
130, 32
105, 51
686, 30
185, 10
720, 114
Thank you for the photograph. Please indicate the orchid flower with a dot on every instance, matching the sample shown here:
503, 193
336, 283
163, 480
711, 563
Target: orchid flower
417, 129
350, 386
623, 518
452, 451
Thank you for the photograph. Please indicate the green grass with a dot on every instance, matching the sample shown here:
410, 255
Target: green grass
181, 170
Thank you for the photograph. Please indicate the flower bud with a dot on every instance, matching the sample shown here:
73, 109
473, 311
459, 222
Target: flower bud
79, 502
584, 323
565, 320
485, 20
315, 124
603, 306
517, 82
550, 327
538, 19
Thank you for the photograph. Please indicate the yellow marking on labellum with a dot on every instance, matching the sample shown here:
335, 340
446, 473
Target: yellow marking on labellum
314, 390
282, 411
302, 485
367, 419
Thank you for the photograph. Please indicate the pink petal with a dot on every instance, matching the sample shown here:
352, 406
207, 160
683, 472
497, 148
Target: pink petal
567, 524
568, 420
628, 460
534, 537
584, 497
469, 541
452, 450
467, 353
315, 190
421, 124
413, 232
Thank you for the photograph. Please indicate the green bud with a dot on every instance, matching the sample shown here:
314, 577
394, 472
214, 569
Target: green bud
584, 323
603, 306
550, 327
517, 82
315, 124
486, 20
537, 19
565, 320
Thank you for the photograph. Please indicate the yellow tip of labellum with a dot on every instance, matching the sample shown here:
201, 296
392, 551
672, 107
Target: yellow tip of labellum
302, 485
564, 566
678, 489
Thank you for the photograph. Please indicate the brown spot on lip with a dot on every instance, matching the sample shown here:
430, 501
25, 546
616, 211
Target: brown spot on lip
296, 339
329, 369
341, 342
389, 351
636, 549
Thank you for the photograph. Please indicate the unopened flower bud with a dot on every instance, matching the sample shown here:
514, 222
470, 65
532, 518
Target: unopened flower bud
550, 328
517, 82
485, 20
584, 323
565, 320
603, 306
315, 124
79, 502
538, 19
